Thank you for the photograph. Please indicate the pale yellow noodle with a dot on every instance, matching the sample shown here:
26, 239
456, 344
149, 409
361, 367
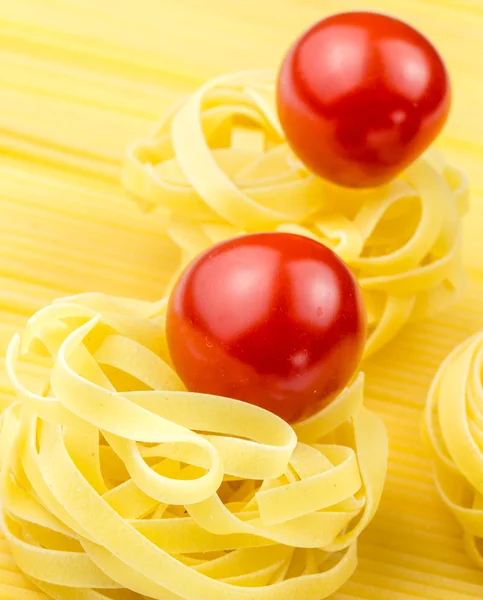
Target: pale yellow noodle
114, 477
72, 67
219, 165
453, 427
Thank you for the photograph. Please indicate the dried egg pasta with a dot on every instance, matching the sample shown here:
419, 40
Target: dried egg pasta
114, 477
219, 165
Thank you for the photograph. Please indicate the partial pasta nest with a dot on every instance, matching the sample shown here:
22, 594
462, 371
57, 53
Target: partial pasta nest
117, 482
219, 166
454, 429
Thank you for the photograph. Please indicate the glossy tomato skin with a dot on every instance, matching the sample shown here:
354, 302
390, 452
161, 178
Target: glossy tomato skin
273, 319
360, 96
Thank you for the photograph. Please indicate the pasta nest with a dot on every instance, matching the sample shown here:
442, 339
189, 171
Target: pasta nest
453, 427
219, 166
114, 477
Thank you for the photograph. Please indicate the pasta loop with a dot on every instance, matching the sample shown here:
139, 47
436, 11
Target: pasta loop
453, 428
114, 477
219, 166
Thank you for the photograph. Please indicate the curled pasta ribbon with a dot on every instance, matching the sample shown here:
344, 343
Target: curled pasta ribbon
114, 477
219, 166
453, 427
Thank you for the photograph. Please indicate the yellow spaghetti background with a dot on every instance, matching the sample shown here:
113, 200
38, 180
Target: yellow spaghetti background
79, 79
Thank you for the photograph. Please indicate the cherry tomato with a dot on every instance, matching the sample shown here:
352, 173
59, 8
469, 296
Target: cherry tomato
273, 319
360, 97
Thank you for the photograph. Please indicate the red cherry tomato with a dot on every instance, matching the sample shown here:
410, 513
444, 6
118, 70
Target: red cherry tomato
360, 97
273, 319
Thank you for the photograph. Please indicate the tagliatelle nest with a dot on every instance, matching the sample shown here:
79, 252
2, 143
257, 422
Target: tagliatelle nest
113, 476
219, 164
454, 430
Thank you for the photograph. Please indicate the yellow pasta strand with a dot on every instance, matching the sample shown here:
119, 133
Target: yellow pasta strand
453, 425
73, 65
113, 477
219, 164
